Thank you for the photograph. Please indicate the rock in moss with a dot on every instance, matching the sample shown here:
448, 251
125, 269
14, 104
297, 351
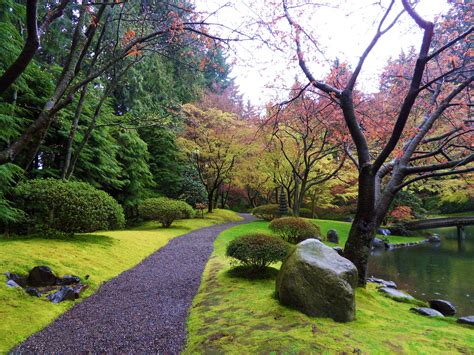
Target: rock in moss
316, 280
425, 311
466, 320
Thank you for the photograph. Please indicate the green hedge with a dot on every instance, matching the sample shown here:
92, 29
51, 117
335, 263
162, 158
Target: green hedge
257, 250
267, 212
164, 210
66, 206
294, 229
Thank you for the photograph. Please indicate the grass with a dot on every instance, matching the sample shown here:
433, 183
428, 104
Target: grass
101, 255
236, 315
342, 229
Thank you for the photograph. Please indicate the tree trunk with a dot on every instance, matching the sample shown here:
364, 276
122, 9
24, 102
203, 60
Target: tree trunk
72, 133
362, 233
296, 196
210, 201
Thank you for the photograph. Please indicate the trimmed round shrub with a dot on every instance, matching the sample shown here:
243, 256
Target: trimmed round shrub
294, 229
257, 251
164, 210
267, 212
66, 206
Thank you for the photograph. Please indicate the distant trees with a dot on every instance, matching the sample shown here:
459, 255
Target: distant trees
307, 134
212, 140
99, 100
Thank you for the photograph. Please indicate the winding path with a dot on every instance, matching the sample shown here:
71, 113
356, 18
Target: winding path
143, 310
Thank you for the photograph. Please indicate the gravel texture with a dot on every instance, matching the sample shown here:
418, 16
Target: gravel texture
143, 310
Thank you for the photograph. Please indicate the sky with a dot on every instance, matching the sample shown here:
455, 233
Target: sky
343, 31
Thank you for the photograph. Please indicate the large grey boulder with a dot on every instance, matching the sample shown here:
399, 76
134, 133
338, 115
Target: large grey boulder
316, 280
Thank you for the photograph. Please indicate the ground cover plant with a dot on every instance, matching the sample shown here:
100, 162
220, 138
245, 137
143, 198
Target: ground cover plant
241, 316
101, 255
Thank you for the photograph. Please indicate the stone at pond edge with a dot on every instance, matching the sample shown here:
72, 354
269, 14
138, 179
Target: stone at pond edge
317, 281
332, 236
395, 293
378, 243
445, 307
41, 276
425, 311
434, 238
382, 282
466, 320
339, 251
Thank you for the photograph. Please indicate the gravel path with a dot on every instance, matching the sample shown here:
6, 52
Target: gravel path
143, 310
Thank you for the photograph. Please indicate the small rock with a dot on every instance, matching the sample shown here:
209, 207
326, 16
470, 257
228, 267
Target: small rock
69, 280
434, 238
332, 236
425, 311
378, 243
78, 289
395, 293
383, 282
64, 293
383, 231
11, 283
466, 320
445, 307
339, 251
33, 291
41, 276
18, 279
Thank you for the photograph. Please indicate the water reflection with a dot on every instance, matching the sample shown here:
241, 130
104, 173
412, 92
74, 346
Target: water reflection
444, 270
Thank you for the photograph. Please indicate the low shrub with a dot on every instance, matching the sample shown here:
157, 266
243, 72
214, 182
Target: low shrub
267, 212
66, 206
257, 251
306, 213
294, 229
164, 210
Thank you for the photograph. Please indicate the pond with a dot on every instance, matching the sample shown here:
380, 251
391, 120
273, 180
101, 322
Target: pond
429, 271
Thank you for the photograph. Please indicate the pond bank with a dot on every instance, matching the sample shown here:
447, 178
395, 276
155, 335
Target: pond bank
235, 315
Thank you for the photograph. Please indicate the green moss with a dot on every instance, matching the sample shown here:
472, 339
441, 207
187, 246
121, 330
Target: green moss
233, 315
101, 255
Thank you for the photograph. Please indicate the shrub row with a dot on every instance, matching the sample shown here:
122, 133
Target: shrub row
267, 212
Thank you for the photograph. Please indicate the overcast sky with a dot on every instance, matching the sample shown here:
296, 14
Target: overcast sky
341, 31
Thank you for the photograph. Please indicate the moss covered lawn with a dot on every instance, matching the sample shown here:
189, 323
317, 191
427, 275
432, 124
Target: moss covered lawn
101, 255
236, 315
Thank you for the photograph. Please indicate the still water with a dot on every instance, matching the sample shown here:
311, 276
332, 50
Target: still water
432, 271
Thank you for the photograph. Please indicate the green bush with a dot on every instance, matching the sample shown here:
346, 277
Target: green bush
257, 251
294, 229
66, 206
164, 210
267, 212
